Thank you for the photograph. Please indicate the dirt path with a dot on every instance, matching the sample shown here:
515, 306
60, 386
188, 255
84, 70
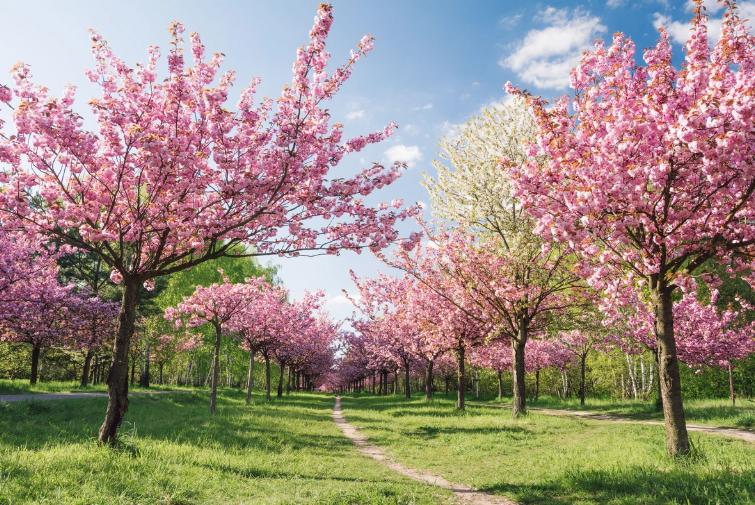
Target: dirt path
464, 494
69, 396
745, 435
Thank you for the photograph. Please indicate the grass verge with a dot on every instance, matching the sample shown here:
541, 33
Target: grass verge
553, 460
172, 451
22, 387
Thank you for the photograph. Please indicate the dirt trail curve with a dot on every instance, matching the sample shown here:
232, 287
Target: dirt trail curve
748, 436
69, 396
464, 494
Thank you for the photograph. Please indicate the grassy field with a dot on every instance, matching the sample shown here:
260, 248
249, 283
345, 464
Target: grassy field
173, 451
553, 460
717, 412
22, 387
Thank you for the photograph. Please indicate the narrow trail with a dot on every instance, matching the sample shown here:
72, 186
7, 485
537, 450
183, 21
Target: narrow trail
748, 436
70, 396
464, 494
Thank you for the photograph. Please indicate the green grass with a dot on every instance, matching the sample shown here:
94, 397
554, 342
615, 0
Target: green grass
714, 412
554, 460
172, 451
22, 387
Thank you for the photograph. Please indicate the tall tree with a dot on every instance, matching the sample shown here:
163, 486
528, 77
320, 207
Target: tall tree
653, 175
173, 178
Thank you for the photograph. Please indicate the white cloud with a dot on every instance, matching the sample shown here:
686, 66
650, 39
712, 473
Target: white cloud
422, 205
545, 57
355, 114
711, 6
410, 129
341, 300
405, 154
476, 83
510, 21
615, 4
424, 107
465, 95
679, 30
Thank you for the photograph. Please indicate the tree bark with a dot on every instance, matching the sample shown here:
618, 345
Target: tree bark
537, 383
160, 366
395, 382
517, 345
677, 442
215, 367
87, 368
500, 385
429, 380
731, 385
462, 379
582, 384
35, 363
288, 381
117, 377
659, 400
250, 378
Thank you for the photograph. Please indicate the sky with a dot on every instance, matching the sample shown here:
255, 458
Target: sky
435, 64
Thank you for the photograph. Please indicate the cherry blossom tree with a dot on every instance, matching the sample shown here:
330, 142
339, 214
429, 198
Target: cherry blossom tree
40, 319
92, 324
251, 328
216, 304
172, 177
510, 295
652, 176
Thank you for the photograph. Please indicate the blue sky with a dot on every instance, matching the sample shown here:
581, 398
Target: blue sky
435, 64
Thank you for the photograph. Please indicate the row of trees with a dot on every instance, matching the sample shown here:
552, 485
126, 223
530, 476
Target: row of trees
172, 176
610, 216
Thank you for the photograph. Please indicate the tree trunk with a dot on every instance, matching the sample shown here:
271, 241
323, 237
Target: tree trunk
500, 385
462, 379
215, 367
429, 380
407, 386
144, 378
395, 382
96, 368
537, 383
117, 377
677, 442
250, 378
35, 364
288, 381
267, 377
87, 367
161, 372
582, 383
517, 345
448, 379
659, 400
373, 382
731, 385
280, 379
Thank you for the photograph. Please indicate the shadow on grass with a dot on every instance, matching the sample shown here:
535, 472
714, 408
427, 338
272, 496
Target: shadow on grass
636, 485
180, 417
